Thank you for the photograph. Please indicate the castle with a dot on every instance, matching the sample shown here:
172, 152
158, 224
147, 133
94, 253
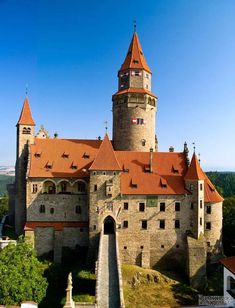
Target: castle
162, 205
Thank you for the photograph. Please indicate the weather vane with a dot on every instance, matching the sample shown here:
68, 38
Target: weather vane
194, 147
26, 89
134, 22
106, 126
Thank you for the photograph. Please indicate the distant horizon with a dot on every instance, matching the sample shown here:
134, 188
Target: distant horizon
69, 56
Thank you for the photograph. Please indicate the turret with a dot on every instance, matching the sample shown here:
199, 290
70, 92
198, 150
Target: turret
194, 180
25, 136
134, 105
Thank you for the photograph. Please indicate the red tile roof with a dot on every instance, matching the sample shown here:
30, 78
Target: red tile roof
194, 171
105, 158
135, 90
167, 178
229, 263
135, 57
81, 154
26, 116
147, 183
57, 225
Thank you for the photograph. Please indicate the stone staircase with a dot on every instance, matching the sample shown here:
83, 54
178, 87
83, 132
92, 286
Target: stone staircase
108, 294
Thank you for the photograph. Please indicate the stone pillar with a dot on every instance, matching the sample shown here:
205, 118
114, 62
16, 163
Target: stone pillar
69, 300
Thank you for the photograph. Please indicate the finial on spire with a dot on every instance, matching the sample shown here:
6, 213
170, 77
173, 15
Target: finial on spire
26, 89
199, 158
194, 147
134, 22
106, 126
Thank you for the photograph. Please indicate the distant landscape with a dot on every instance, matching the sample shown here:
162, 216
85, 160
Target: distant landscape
4, 180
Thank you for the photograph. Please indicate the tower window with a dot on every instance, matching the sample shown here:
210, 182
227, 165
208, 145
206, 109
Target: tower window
200, 204
192, 205
208, 225
177, 224
135, 61
201, 187
200, 221
162, 206
52, 210
95, 187
162, 224
208, 209
141, 207
26, 130
144, 224
177, 206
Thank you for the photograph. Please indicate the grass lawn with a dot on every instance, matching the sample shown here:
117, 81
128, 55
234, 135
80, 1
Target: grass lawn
149, 288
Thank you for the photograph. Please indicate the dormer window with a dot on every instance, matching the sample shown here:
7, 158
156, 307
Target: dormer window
74, 165
49, 165
163, 183
65, 155
37, 154
86, 155
135, 61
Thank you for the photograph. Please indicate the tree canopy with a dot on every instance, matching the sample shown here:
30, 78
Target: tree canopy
21, 275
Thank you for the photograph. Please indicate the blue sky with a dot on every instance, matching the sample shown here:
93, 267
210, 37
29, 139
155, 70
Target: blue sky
69, 52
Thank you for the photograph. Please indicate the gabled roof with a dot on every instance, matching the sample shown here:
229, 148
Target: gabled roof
26, 116
229, 263
105, 158
135, 57
194, 171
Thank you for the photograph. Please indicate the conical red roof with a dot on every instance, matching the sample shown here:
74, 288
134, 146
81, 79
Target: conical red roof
26, 116
194, 171
135, 57
105, 158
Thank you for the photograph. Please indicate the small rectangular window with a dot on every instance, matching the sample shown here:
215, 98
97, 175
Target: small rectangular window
201, 203
95, 187
162, 224
191, 187
78, 209
208, 225
192, 205
208, 209
144, 224
141, 207
125, 206
177, 206
201, 187
200, 221
125, 224
162, 206
177, 224
35, 188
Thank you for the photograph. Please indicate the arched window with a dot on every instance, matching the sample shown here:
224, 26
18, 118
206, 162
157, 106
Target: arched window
42, 208
49, 187
26, 130
81, 186
64, 188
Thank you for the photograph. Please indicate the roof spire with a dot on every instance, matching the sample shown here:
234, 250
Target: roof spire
26, 116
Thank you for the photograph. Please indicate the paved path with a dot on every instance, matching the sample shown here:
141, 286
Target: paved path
108, 296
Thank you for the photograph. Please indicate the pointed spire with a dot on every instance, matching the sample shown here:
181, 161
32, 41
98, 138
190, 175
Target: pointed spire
105, 158
26, 116
194, 171
135, 57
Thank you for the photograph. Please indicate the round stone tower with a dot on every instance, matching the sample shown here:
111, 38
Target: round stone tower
134, 105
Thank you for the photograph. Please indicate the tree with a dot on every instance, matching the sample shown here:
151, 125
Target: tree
229, 226
21, 275
3, 206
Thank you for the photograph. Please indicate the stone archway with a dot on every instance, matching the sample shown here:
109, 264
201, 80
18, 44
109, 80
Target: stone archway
109, 225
